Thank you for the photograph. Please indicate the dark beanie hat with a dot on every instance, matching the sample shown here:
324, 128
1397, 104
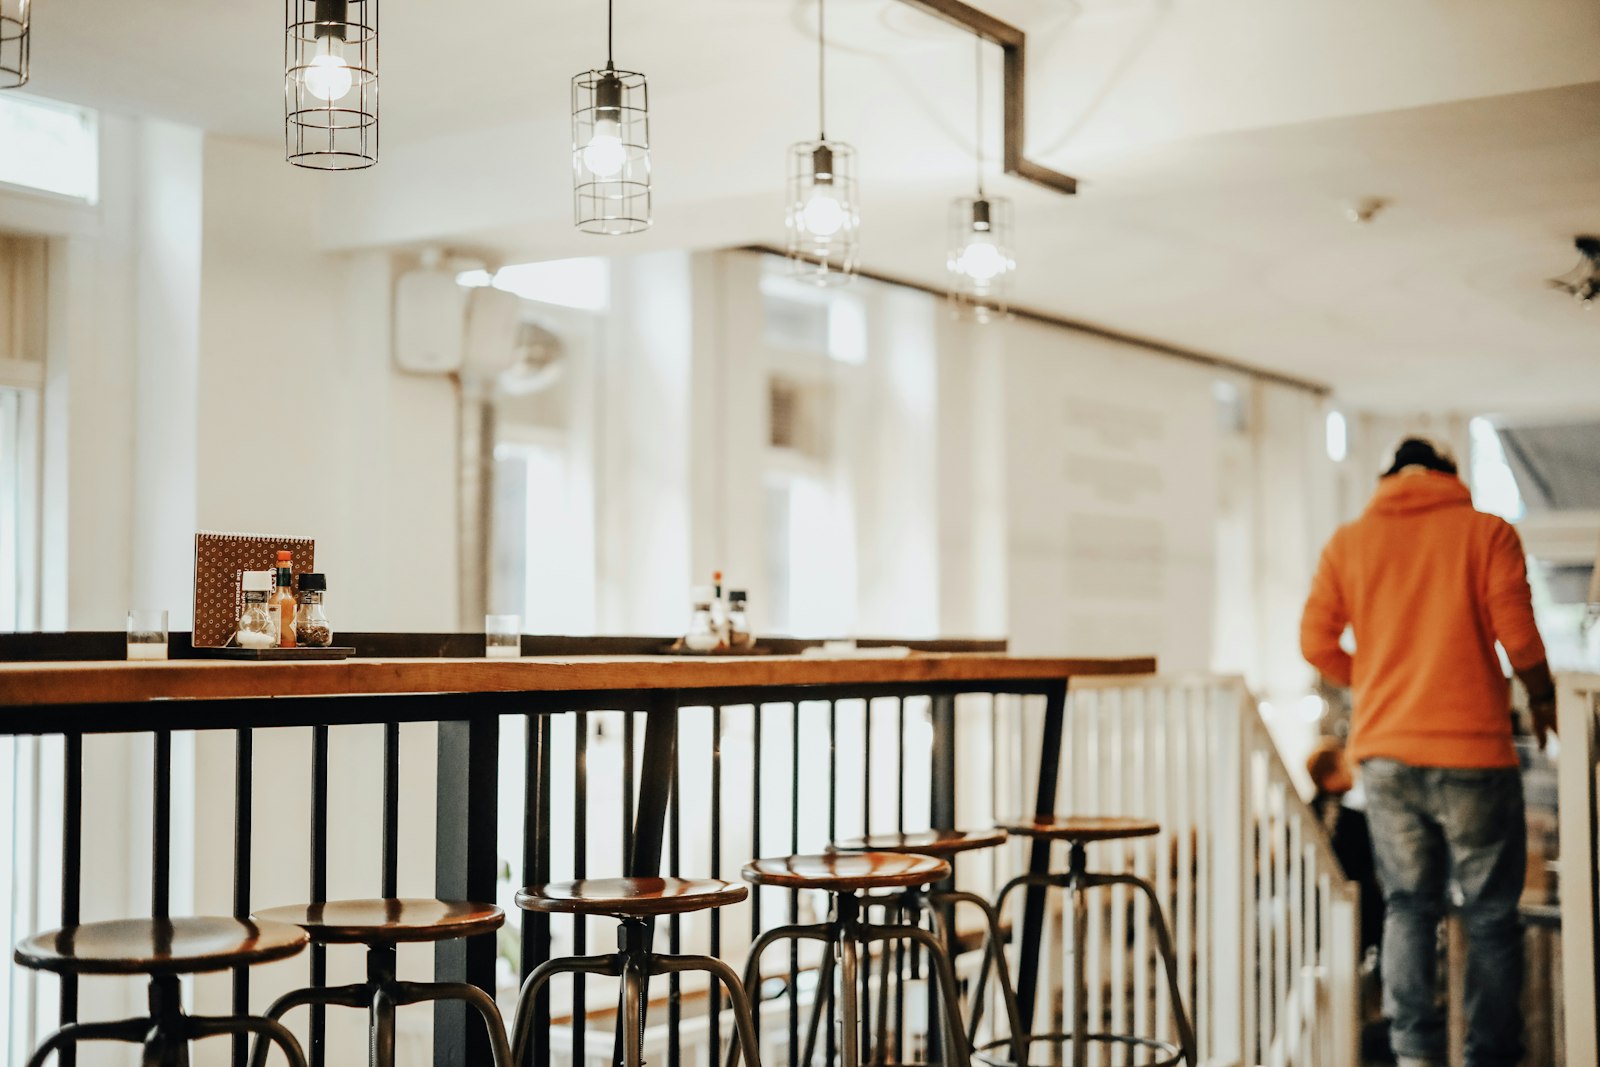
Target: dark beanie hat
1420, 452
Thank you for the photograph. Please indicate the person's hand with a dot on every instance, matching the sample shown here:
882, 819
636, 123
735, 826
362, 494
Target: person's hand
1542, 710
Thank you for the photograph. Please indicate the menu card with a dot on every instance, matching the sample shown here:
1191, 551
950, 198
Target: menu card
219, 560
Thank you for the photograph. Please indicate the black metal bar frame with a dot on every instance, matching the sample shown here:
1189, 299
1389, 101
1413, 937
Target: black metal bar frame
468, 766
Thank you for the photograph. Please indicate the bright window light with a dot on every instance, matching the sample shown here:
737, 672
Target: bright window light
1338, 437
584, 284
847, 329
1494, 487
50, 147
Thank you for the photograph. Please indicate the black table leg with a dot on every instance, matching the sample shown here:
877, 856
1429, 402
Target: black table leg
466, 865
1039, 860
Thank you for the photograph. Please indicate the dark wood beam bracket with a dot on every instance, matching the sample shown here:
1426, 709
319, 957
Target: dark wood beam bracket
1013, 43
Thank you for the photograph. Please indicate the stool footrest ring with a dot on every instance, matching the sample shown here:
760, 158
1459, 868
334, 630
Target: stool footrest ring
996, 1053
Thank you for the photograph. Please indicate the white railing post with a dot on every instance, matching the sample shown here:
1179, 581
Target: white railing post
1577, 706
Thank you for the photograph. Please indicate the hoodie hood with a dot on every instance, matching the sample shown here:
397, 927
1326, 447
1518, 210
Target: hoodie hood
1399, 494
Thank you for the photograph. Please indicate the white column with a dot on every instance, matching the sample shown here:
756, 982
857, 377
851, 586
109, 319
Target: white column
166, 356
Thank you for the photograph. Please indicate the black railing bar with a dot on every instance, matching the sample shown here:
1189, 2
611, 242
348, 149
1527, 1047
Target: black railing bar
866, 767
829, 1048
748, 696
71, 872
391, 809
536, 870
580, 869
161, 827
243, 813
368, 708
674, 929
319, 882
365, 709
630, 785
715, 1018
794, 894
900, 782
755, 849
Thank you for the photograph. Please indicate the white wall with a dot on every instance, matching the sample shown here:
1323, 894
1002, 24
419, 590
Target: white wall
1111, 497
305, 428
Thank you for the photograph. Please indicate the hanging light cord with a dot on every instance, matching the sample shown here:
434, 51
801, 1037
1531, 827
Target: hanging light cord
979, 153
610, 24
822, 73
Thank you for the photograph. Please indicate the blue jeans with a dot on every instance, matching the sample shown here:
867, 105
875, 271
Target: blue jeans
1443, 834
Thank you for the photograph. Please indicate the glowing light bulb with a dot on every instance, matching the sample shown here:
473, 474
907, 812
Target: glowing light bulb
823, 215
981, 261
328, 77
605, 154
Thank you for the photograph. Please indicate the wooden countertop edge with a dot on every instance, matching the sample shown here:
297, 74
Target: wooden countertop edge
117, 682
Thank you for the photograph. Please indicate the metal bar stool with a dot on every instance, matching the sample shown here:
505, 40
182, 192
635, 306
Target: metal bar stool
164, 950
844, 875
381, 925
635, 903
1078, 833
936, 904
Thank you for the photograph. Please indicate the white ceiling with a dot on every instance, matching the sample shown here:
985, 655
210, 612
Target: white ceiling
1219, 140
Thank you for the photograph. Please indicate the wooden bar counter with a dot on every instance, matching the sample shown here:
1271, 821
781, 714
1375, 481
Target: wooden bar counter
51, 685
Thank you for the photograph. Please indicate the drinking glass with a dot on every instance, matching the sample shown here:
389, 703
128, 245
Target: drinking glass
147, 634
502, 636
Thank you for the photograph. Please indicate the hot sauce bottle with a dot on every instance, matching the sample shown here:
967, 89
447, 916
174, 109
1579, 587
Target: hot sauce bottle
283, 600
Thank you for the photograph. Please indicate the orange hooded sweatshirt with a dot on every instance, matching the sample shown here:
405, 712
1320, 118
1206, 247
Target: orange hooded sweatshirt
1428, 585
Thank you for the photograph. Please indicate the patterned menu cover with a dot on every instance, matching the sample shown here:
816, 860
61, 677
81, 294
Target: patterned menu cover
219, 560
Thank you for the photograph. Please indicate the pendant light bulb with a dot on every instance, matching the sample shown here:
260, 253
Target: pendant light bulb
981, 259
328, 76
823, 215
605, 155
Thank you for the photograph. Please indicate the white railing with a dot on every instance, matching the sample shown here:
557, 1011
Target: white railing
1578, 724
1265, 923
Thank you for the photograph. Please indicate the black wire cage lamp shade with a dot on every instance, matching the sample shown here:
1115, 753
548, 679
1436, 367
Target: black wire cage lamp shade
610, 152
980, 259
823, 220
14, 41
824, 217
330, 84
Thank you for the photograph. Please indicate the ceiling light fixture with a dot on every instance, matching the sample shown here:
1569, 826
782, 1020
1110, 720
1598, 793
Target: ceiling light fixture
14, 43
980, 260
823, 220
330, 84
610, 147
1583, 281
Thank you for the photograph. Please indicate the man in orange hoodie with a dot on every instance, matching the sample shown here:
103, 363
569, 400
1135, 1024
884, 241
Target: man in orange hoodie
1428, 586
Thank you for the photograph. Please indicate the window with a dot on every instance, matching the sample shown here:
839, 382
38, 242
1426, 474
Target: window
538, 568
12, 510
50, 147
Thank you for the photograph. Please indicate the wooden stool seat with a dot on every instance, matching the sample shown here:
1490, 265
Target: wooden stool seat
926, 843
388, 921
159, 946
1082, 828
846, 872
630, 897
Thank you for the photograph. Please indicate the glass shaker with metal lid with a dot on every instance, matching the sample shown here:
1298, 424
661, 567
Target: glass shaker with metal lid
311, 627
258, 622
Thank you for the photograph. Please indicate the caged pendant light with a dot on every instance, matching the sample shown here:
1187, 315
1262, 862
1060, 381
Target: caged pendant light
330, 84
14, 41
980, 262
610, 148
823, 220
